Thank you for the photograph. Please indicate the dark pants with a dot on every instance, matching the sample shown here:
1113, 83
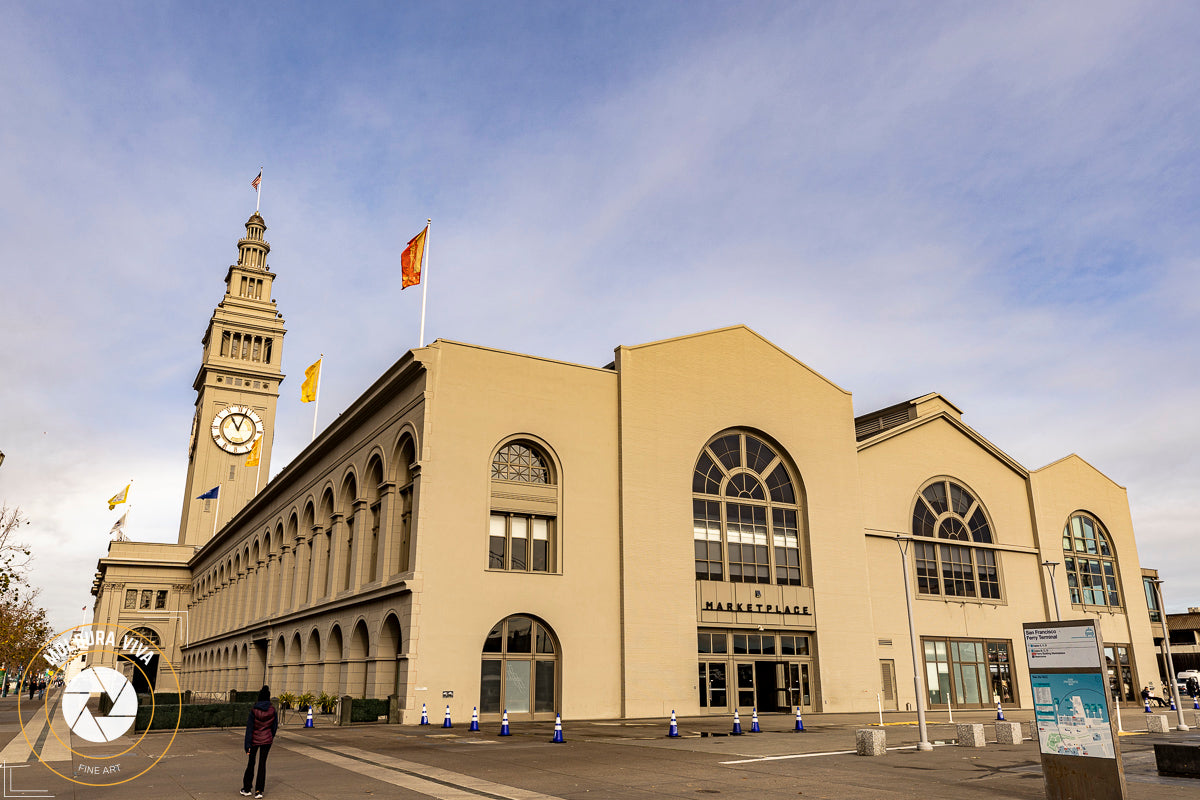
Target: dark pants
261, 780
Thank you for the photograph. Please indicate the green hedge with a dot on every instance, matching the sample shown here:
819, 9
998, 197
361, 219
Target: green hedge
245, 697
200, 715
367, 710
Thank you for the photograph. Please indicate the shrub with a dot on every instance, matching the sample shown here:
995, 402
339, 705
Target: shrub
199, 715
367, 710
288, 700
326, 702
306, 700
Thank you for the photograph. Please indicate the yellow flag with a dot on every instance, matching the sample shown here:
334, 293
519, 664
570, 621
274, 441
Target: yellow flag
252, 459
312, 377
119, 497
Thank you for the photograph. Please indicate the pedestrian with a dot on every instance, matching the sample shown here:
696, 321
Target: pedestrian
32, 688
260, 733
1193, 687
41, 688
1148, 694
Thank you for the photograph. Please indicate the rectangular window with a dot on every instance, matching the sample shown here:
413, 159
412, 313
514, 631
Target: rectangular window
958, 577
748, 556
147, 595
927, 569
225, 336
518, 528
969, 673
498, 539
160, 599
787, 546
131, 598
706, 531
541, 544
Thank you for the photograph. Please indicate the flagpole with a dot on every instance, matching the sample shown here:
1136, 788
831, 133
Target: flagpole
317, 397
258, 475
128, 508
258, 192
425, 276
218, 511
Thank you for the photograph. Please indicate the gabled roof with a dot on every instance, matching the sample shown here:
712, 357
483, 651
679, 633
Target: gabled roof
738, 328
1081, 460
954, 422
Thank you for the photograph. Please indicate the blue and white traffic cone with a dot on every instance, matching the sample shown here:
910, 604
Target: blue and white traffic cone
737, 724
446, 723
474, 719
1196, 702
999, 712
504, 731
1173, 708
1148, 705
674, 731
308, 723
754, 721
424, 715
799, 722
558, 739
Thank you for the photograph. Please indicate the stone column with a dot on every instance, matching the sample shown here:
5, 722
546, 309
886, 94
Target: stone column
388, 530
282, 593
360, 550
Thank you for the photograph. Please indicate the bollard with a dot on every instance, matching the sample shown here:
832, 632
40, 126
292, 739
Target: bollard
970, 735
870, 742
446, 723
558, 737
474, 719
754, 721
799, 722
1157, 723
308, 723
673, 732
504, 731
737, 724
424, 715
1009, 733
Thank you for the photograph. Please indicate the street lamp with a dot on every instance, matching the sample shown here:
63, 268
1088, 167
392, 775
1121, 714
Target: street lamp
1050, 565
918, 682
1162, 617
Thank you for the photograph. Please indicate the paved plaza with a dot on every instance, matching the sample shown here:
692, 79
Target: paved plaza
631, 759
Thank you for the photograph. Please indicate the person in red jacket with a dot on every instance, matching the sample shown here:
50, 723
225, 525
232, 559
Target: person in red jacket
260, 733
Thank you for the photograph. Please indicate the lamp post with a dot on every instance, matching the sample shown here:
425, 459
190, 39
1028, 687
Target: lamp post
1170, 664
1050, 565
918, 682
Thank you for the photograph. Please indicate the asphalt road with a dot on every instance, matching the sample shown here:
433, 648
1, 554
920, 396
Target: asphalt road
632, 759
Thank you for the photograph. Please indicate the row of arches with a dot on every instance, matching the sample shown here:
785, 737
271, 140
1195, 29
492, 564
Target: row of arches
350, 534
338, 660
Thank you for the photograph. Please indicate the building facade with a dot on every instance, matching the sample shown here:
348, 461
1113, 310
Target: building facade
702, 524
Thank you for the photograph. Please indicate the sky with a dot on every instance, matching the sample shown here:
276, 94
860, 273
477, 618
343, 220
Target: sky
996, 202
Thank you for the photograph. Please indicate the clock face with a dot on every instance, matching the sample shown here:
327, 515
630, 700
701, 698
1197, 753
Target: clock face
235, 428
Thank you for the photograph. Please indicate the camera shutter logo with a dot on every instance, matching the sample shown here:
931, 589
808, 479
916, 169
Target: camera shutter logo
99, 680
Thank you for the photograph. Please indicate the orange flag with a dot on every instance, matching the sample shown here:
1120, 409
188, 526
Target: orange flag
410, 260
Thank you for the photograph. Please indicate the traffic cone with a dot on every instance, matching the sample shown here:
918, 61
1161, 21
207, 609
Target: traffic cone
674, 731
1148, 705
558, 739
308, 723
446, 723
504, 731
799, 722
424, 715
1173, 708
1196, 702
737, 724
754, 721
999, 712
474, 718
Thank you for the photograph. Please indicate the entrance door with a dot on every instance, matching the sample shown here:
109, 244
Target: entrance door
887, 682
766, 686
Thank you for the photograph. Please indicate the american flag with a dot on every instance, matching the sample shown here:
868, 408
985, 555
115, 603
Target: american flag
257, 180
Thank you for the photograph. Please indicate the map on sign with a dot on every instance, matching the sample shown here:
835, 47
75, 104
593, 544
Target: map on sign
1072, 715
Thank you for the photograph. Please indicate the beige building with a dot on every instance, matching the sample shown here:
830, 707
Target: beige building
699, 525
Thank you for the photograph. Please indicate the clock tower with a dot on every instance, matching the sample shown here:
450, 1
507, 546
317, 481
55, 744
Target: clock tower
236, 391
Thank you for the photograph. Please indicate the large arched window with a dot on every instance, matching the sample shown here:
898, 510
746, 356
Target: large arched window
521, 529
1090, 562
745, 513
519, 672
946, 510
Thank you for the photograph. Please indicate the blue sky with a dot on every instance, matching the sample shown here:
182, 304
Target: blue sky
996, 202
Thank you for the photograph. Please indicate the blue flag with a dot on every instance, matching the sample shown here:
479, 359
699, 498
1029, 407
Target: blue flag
211, 494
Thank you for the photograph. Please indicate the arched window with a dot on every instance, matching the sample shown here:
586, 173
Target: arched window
1090, 563
946, 510
745, 514
522, 534
519, 672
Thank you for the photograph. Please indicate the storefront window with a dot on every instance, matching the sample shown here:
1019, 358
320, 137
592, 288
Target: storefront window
519, 669
968, 673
